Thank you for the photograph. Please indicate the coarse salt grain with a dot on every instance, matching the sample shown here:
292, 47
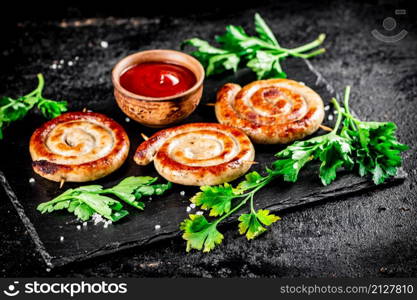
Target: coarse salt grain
61, 61
127, 120
97, 218
182, 193
85, 224
78, 227
188, 209
199, 213
105, 225
192, 205
157, 227
327, 107
70, 63
330, 117
53, 66
150, 198
31, 180
302, 83
104, 44
61, 238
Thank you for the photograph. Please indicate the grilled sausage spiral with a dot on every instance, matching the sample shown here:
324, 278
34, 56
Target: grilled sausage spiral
198, 154
78, 147
270, 111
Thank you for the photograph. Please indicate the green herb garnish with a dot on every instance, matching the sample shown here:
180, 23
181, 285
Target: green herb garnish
377, 151
368, 147
84, 201
15, 109
262, 54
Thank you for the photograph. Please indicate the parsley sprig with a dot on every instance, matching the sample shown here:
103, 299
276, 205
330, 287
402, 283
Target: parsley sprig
366, 147
262, 54
15, 109
84, 201
376, 149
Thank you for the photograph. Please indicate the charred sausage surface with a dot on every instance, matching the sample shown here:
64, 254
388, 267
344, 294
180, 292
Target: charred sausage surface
198, 154
78, 147
274, 111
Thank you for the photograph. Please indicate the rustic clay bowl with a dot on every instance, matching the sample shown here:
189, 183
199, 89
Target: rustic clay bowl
164, 111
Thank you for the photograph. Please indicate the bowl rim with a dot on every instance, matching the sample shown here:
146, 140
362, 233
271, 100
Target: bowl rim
121, 89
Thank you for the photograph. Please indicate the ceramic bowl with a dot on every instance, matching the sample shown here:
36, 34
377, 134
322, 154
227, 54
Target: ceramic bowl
163, 111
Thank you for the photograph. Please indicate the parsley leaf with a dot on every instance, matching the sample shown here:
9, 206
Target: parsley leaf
264, 31
251, 224
216, 198
252, 180
262, 53
332, 150
86, 200
214, 60
377, 150
12, 110
200, 234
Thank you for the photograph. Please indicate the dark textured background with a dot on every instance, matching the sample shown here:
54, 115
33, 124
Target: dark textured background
374, 234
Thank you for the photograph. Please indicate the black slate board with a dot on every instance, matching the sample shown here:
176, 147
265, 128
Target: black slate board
167, 211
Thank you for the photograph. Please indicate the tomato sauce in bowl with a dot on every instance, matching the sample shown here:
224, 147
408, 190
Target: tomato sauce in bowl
157, 79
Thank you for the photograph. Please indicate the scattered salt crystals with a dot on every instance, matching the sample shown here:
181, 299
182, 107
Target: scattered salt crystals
327, 107
70, 63
182, 193
330, 117
53, 66
85, 224
192, 205
199, 213
157, 227
61, 238
31, 180
61, 61
97, 218
104, 44
77, 58
188, 209
127, 119
78, 227
150, 198
48, 270
302, 83
107, 223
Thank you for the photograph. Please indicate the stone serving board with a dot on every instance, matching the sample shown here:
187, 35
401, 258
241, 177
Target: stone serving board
168, 210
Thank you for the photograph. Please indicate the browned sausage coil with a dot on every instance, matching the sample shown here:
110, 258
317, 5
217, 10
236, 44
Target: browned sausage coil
270, 111
78, 146
198, 154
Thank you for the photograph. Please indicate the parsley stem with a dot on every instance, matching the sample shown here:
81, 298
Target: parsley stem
247, 196
353, 121
251, 204
339, 116
317, 42
314, 53
232, 210
346, 99
39, 88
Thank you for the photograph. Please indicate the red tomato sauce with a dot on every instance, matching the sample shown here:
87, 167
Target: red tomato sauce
157, 79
